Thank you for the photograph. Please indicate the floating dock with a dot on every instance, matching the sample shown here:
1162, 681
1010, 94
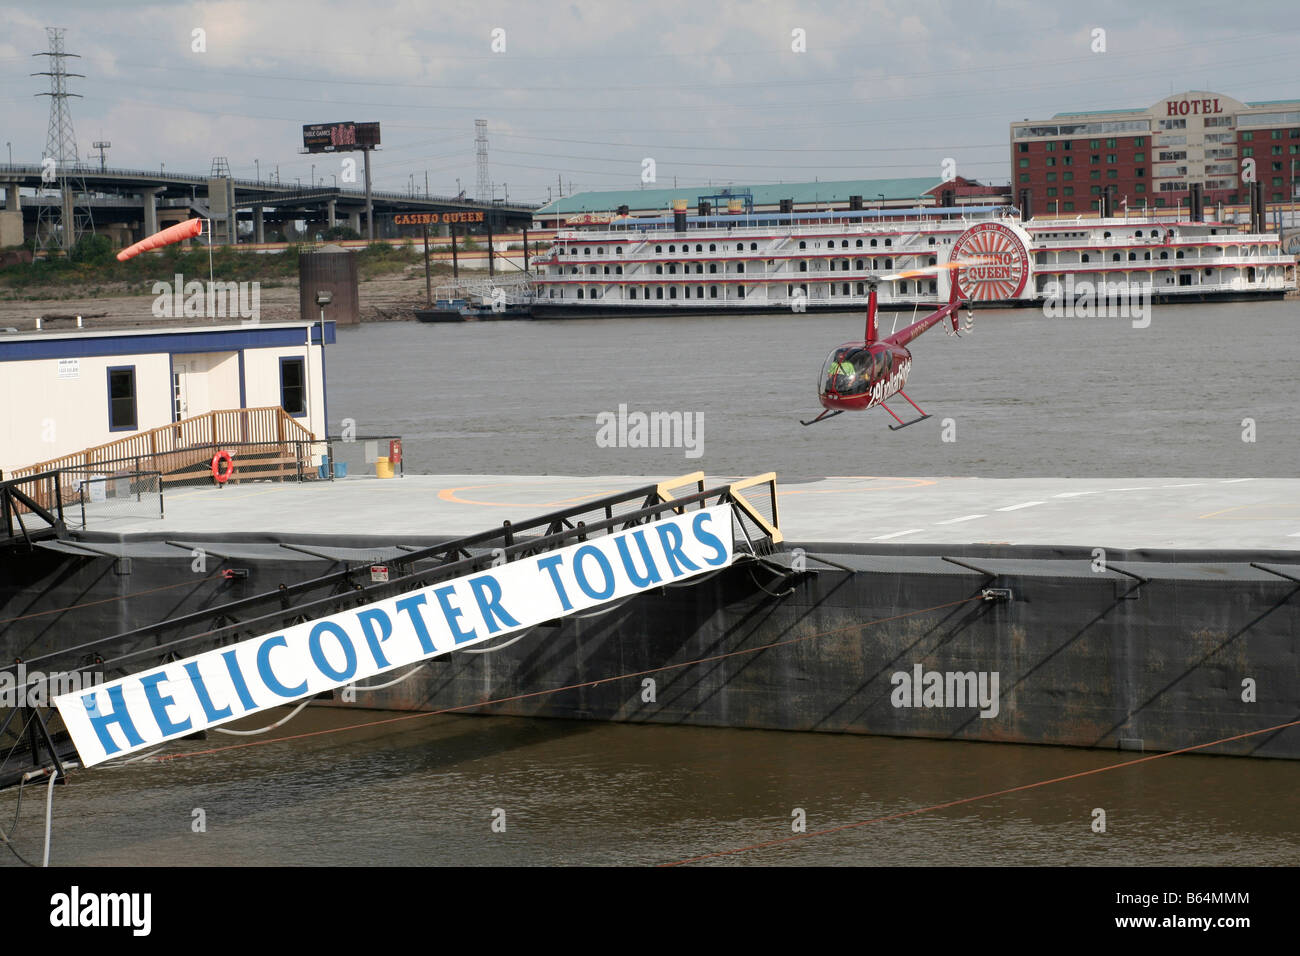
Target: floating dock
1145, 614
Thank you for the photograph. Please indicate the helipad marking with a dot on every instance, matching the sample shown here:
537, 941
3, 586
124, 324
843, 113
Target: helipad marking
1255, 517
450, 494
1023, 504
914, 483
896, 534
966, 518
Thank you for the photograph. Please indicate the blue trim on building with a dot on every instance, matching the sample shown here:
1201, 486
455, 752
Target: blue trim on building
227, 339
135, 399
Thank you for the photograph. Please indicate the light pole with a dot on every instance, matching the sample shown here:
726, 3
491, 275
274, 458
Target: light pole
10, 147
335, 177
258, 167
313, 175
323, 298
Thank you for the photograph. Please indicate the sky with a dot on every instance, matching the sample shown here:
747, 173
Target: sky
578, 96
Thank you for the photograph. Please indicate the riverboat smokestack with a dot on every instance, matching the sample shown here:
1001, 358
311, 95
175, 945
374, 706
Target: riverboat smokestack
1197, 203
679, 215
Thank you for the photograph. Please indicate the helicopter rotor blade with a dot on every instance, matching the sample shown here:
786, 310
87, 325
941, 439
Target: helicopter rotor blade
933, 270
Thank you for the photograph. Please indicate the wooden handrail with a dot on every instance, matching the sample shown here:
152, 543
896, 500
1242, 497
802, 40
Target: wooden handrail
269, 423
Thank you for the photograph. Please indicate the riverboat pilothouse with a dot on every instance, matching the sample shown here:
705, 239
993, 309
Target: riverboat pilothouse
824, 261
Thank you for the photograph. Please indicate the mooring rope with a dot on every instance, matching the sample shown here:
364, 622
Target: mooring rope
261, 730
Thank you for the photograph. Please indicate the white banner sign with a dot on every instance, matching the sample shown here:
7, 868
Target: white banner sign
218, 686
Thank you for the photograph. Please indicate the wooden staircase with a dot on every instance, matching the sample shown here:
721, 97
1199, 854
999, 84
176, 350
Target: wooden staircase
265, 442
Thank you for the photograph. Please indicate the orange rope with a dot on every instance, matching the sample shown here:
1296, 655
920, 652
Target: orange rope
983, 796
556, 690
120, 597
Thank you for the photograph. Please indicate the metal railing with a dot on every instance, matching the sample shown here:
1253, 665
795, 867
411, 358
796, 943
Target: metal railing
177, 445
755, 517
355, 455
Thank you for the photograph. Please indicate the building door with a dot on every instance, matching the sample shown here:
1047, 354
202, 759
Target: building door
180, 391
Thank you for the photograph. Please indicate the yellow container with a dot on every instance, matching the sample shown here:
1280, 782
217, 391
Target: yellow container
383, 467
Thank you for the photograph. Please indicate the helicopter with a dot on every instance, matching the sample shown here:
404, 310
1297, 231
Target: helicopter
866, 374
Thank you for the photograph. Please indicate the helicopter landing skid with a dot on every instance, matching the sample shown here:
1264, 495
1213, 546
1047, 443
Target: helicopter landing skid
902, 424
826, 413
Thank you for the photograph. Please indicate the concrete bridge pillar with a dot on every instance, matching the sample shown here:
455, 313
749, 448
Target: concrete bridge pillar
329, 207
12, 202
354, 221
149, 199
259, 225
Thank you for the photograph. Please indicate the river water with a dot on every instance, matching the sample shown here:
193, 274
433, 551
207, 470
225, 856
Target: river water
1028, 395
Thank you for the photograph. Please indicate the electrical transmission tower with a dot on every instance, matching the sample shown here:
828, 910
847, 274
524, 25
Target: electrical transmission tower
62, 225
484, 191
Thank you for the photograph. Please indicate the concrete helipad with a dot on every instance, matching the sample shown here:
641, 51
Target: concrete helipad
1186, 513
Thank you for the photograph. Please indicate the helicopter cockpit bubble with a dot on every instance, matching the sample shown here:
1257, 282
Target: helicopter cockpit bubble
847, 370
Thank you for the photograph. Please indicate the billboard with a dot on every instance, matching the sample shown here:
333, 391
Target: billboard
339, 137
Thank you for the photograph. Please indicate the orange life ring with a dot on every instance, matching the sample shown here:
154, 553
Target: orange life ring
219, 476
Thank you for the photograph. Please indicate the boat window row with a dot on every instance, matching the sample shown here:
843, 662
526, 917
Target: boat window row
594, 293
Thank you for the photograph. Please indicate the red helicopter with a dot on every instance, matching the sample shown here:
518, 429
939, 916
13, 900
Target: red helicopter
861, 375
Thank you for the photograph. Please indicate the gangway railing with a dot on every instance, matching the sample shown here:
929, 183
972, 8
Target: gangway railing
756, 525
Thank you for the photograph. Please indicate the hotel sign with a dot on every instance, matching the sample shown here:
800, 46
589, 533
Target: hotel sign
434, 218
1202, 107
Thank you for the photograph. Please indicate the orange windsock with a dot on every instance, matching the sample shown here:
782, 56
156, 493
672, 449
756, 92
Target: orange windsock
188, 229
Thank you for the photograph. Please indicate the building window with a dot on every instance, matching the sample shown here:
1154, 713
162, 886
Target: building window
293, 386
1024, 163
713, 292
1024, 177
713, 267
1112, 174
740, 267
740, 292
1051, 160
1067, 191
1139, 157
121, 398
1068, 206
753, 247
1094, 174
1094, 143
1068, 161
1140, 171
1067, 176
1248, 151
1095, 158
1247, 137
1141, 188
713, 247
1139, 140
1024, 147
1051, 190
1051, 147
